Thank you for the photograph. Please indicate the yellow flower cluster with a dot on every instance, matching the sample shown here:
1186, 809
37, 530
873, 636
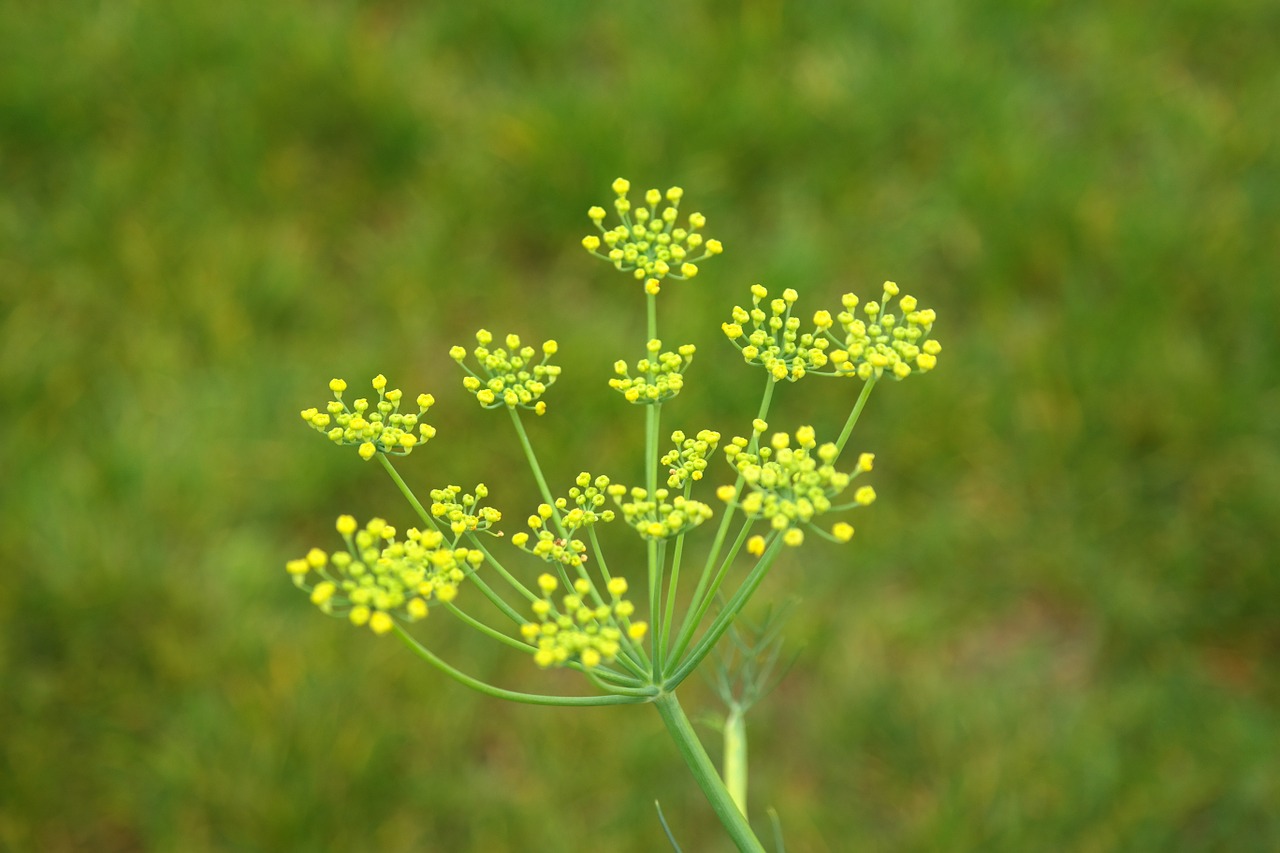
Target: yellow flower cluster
576, 630
654, 517
379, 579
463, 513
508, 375
546, 545
659, 377
881, 342
381, 428
791, 486
588, 496
648, 243
689, 458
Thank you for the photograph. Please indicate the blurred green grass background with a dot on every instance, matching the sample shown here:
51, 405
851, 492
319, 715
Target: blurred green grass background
1057, 630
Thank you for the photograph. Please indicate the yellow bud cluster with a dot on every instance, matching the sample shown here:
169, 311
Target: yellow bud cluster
769, 335
587, 497
372, 428
463, 513
656, 517
508, 375
547, 546
789, 482
647, 242
688, 460
581, 627
378, 579
659, 376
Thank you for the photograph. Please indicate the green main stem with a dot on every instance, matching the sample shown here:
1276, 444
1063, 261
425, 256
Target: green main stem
704, 772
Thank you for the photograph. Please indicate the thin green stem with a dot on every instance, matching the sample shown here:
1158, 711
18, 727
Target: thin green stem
407, 492
533, 460
672, 588
491, 633
853, 415
689, 626
704, 773
514, 696
726, 616
706, 592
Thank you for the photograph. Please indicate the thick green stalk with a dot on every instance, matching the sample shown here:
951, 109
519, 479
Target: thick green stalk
704, 773
735, 756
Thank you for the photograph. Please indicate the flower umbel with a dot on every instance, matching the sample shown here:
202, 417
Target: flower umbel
588, 497
689, 458
463, 513
508, 375
380, 428
546, 545
791, 486
659, 377
883, 341
378, 579
654, 517
648, 243
576, 631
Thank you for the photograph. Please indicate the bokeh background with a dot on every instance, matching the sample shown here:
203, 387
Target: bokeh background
1058, 628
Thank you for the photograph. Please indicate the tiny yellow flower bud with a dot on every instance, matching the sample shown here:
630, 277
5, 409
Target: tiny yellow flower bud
726, 492
591, 242
652, 287
337, 386
638, 630
317, 558
547, 583
755, 545
297, 567
849, 301
596, 213
380, 623
759, 426
359, 615
865, 461
697, 220
842, 531
367, 451
457, 353
932, 347
617, 586
675, 194
865, 495
485, 396
322, 593
908, 304
793, 537
714, 247
379, 382
346, 525
417, 608
621, 185
926, 361
891, 288
758, 291
806, 436
688, 270
653, 196
550, 347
